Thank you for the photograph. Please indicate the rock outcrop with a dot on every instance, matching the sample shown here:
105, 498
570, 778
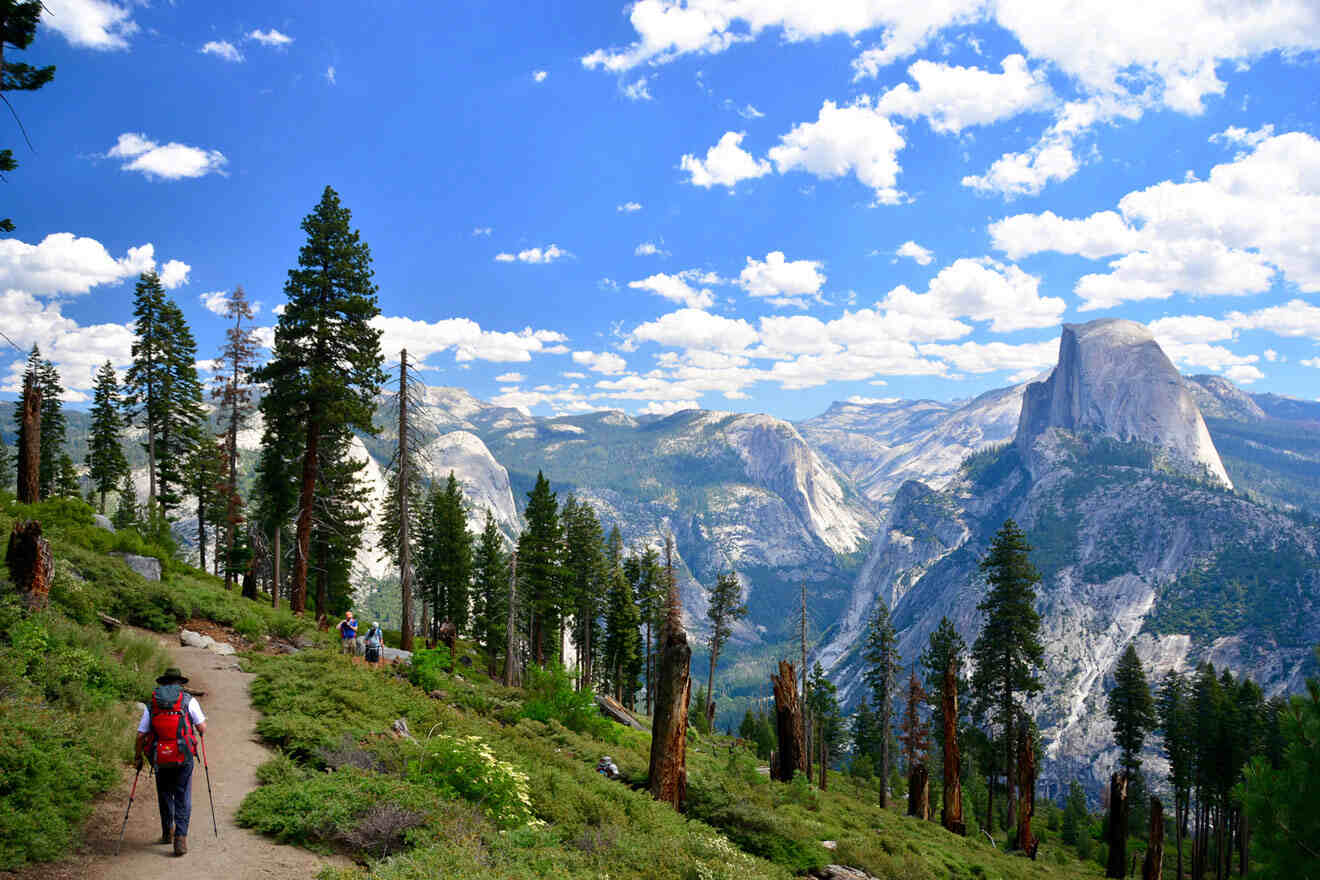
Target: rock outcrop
1114, 380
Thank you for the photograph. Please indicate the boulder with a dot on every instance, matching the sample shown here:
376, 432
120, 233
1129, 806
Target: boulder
394, 655
146, 566
103, 522
224, 649
190, 639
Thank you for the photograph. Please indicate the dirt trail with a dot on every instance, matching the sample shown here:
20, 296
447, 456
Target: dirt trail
235, 752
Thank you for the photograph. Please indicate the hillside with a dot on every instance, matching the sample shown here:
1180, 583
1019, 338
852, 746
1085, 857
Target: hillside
485, 789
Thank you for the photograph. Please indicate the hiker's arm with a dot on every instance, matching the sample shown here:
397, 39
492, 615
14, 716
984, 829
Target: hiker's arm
139, 748
201, 728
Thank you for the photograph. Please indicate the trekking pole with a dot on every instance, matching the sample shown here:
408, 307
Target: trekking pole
207, 768
131, 794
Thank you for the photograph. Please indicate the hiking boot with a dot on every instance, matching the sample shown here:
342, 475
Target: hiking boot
180, 844
166, 837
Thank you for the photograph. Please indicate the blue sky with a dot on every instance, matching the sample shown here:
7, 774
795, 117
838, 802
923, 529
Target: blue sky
754, 205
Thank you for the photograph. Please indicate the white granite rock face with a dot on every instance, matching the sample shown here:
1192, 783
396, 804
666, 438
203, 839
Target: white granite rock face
146, 566
1114, 379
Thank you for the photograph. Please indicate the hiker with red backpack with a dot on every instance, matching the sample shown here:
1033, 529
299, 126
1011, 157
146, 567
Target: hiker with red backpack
167, 737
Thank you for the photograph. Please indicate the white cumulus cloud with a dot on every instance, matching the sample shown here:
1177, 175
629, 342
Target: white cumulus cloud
172, 161
601, 362
914, 251
64, 263
629, 207
854, 139
726, 164
954, 98
467, 339
90, 24
676, 288
982, 290
777, 276
548, 254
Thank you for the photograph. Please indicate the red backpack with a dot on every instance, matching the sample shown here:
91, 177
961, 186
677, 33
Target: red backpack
171, 729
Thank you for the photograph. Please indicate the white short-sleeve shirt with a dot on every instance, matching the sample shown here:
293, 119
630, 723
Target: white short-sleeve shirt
195, 713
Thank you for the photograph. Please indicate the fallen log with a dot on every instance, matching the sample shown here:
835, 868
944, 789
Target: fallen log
615, 711
111, 623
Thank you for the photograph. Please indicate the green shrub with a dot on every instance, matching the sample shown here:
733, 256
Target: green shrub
430, 668
550, 695
465, 767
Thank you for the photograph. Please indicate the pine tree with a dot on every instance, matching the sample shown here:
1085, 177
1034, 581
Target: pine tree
274, 494
865, 733
540, 579
66, 478
126, 512
389, 518
205, 474
144, 383
915, 737
945, 646
106, 464
444, 563
52, 428
726, 606
1075, 818
586, 583
824, 700
326, 368
623, 619
232, 394
1130, 709
490, 583
643, 572
882, 667
18, 27
1008, 652
338, 519
182, 415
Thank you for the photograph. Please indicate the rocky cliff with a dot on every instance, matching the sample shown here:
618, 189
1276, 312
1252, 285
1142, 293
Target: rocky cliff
1113, 379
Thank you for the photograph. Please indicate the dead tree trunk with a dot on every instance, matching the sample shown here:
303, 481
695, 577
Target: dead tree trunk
1026, 767
1117, 864
788, 721
1153, 867
31, 565
824, 757
275, 559
951, 816
668, 771
919, 791
29, 446
405, 543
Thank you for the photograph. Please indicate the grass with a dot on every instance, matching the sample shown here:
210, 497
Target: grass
67, 685
342, 782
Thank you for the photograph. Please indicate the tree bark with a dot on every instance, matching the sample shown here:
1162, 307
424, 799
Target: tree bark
29, 450
275, 559
449, 635
1153, 867
306, 498
668, 769
788, 720
1117, 864
919, 791
824, 758
951, 816
510, 633
1026, 768
31, 565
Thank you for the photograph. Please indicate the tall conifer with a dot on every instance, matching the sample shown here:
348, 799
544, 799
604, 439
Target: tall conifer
539, 574
444, 562
145, 381
1008, 653
232, 394
882, 666
325, 371
106, 464
490, 583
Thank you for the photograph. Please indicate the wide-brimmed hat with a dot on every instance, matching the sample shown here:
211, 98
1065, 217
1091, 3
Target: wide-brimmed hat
170, 675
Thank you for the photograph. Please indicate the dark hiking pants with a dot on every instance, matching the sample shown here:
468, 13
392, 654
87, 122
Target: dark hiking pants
174, 791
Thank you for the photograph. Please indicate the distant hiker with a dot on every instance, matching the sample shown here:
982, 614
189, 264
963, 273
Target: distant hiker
167, 736
375, 642
348, 633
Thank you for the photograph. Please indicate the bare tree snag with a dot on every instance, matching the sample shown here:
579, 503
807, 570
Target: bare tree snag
951, 816
788, 721
31, 565
1117, 864
668, 771
29, 447
824, 757
405, 540
1153, 867
919, 792
1026, 785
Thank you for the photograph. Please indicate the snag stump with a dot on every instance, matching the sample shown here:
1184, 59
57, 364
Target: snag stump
919, 792
31, 565
788, 722
29, 447
1117, 863
1153, 867
668, 771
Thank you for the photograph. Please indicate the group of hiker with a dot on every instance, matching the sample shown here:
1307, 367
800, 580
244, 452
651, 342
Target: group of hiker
371, 648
